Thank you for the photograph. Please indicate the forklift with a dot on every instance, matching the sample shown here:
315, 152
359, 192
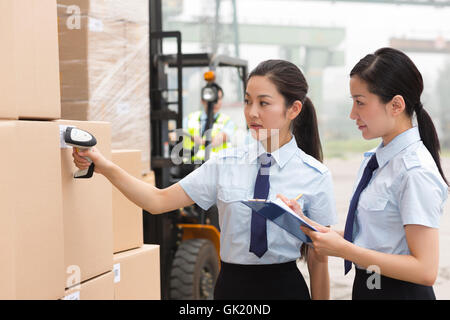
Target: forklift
189, 238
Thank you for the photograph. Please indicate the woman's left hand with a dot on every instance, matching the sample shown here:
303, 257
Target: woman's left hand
326, 241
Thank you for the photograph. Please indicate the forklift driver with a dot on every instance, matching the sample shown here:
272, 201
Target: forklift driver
222, 130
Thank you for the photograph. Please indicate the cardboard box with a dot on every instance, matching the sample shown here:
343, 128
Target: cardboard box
137, 274
131, 10
74, 110
104, 50
98, 288
127, 217
30, 85
35, 205
7, 200
87, 210
91, 58
8, 104
38, 232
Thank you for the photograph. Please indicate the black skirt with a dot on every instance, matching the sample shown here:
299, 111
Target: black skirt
367, 287
261, 282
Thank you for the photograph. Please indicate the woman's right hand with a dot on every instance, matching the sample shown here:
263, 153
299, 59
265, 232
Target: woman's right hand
291, 203
101, 163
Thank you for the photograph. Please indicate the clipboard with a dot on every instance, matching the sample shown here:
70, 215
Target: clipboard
283, 216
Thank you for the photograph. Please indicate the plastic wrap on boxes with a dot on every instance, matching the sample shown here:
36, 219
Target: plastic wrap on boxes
130, 10
104, 68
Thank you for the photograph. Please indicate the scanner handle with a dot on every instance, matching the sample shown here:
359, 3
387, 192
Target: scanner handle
86, 173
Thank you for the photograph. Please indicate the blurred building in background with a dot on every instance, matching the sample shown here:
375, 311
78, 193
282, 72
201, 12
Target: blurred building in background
325, 39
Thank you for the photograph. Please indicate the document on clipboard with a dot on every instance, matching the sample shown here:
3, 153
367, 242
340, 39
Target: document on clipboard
279, 213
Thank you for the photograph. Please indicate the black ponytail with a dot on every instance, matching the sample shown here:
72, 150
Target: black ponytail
429, 137
292, 85
306, 131
389, 72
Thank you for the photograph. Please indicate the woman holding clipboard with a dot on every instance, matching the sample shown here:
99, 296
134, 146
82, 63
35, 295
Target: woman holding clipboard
393, 219
258, 259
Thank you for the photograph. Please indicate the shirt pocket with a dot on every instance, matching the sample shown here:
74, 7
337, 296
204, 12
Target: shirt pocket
231, 195
379, 223
235, 216
370, 202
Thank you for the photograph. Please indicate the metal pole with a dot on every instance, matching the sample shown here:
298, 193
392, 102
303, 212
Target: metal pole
236, 30
215, 46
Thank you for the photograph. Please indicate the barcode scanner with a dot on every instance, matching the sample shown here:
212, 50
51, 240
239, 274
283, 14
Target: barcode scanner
81, 140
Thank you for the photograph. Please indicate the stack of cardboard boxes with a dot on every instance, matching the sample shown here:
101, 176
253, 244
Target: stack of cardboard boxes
60, 237
104, 64
136, 271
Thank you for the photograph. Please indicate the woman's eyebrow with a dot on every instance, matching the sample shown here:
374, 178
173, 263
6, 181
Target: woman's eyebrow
260, 96
357, 96
264, 96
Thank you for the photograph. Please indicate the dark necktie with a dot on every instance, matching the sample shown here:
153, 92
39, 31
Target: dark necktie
367, 175
258, 237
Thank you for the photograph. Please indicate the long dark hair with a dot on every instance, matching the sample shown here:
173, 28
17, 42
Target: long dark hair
292, 85
389, 72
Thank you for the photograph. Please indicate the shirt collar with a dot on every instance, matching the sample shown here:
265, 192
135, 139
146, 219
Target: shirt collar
385, 153
281, 155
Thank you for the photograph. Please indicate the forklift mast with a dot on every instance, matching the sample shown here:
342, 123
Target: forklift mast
166, 229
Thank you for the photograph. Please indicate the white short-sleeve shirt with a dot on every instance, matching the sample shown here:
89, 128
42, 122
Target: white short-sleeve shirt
231, 176
407, 188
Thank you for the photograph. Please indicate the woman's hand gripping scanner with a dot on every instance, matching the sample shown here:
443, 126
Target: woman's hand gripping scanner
80, 140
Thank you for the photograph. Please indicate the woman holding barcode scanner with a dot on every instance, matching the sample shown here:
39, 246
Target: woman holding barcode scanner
393, 218
258, 258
